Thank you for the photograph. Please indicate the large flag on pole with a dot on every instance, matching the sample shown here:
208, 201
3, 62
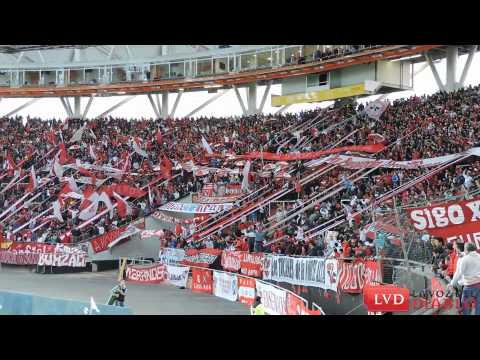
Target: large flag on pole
122, 206
56, 211
77, 136
57, 168
105, 199
32, 184
92, 153
246, 171
90, 211
206, 146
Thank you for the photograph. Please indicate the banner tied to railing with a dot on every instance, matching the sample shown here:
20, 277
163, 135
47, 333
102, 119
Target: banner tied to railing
191, 208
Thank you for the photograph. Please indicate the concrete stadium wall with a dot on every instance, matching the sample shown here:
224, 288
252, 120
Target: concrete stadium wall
12, 303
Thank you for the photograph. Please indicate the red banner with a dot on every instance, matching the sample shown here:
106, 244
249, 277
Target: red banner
32, 247
233, 189
246, 290
295, 305
256, 155
14, 258
373, 273
252, 264
100, 243
202, 258
153, 274
450, 220
231, 260
202, 281
351, 276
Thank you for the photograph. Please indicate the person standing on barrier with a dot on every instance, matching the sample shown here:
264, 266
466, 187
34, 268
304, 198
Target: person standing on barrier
469, 269
257, 307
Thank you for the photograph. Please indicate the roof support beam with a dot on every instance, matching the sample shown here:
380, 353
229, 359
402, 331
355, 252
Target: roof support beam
434, 72
164, 111
209, 101
21, 107
154, 107
114, 107
175, 104
77, 103
452, 57
159, 106
65, 106
240, 100
264, 98
40, 55
128, 51
85, 112
69, 106
466, 68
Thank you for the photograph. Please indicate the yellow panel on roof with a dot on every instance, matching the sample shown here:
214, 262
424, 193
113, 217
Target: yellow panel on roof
320, 95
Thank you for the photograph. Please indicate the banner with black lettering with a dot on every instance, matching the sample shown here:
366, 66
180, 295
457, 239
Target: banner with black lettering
296, 271
225, 285
177, 275
171, 256
150, 274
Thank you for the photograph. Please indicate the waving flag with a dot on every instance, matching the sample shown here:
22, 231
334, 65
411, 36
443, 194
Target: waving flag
106, 200
56, 211
73, 185
77, 136
32, 184
10, 163
122, 206
166, 167
63, 154
159, 137
92, 153
150, 197
136, 147
206, 146
246, 171
57, 168
90, 211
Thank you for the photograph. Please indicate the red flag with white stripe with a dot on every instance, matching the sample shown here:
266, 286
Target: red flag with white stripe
32, 183
122, 206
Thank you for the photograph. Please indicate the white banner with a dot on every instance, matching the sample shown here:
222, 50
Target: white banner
62, 259
171, 256
196, 208
331, 274
177, 275
274, 299
358, 162
225, 285
296, 271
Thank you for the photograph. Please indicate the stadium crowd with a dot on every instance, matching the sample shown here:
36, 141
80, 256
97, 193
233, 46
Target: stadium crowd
413, 128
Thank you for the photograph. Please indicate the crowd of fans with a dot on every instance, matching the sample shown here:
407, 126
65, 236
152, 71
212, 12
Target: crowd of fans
414, 128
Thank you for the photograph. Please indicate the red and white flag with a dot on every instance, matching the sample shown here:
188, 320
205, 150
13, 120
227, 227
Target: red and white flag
122, 206
90, 211
77, 136
32, 184
73, 185
57, 168
206, 146
92, 152
136, 147
106, 200
56, 211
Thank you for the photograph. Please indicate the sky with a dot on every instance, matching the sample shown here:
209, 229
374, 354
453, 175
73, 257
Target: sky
226, 105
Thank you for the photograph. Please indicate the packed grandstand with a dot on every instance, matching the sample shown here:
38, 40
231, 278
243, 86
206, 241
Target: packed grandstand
318, 183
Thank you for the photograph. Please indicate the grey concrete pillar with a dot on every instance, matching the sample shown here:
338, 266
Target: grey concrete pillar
77, 102
94, 267
452, 56
252, 99
164, 104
